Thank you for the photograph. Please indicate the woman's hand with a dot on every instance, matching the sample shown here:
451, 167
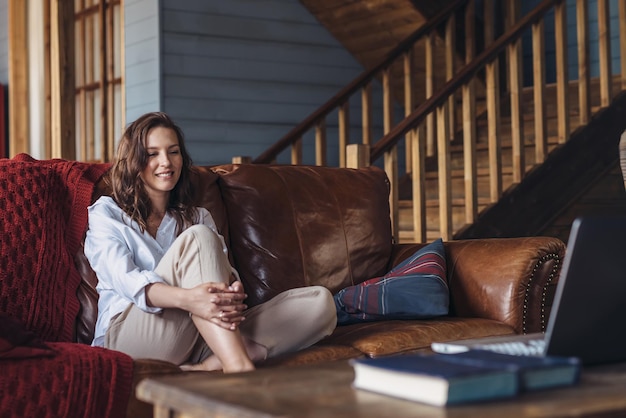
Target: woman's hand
218, 303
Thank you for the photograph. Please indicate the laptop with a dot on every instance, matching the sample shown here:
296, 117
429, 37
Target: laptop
588, 317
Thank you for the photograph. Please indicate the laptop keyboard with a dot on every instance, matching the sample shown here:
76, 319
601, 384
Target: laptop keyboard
517, 348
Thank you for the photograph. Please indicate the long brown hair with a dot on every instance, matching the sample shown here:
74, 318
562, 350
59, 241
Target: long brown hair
128, 189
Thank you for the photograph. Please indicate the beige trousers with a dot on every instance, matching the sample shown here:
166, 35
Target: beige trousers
293, 320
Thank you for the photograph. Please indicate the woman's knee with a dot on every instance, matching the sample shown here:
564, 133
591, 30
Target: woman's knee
205, 238
323, 307
202, 233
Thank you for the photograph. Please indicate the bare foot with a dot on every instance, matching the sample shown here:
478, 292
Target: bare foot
212, 363
256, 352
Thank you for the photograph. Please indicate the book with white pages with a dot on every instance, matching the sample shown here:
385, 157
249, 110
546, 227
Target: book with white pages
588, 316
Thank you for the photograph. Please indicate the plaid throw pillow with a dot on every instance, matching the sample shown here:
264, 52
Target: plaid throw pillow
415, 289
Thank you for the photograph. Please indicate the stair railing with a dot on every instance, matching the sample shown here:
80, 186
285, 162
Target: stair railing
478, 85
363, 84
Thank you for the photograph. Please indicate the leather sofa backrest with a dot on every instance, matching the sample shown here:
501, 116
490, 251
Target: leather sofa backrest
286, 226
293, 226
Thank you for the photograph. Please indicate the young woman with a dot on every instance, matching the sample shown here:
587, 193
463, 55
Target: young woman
166, 288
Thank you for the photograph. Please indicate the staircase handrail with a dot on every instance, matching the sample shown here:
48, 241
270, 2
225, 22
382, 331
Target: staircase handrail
463, 76
365, 77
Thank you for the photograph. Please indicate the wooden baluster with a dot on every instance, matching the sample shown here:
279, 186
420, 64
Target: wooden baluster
387, 101
539, 91
582, 36
443, 161
450, 54
469, 121
414, 156
391, 168
514, 54
296, 152
493, 109
366, 113
429, 69
320, 143
408, 105
418, 183
391, 156
604, 52
562, 79
493, 130
344, 132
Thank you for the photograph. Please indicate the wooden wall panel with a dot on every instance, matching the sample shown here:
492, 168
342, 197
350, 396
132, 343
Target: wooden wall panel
238, 75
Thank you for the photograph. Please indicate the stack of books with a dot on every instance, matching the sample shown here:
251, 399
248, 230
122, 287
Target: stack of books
471, 376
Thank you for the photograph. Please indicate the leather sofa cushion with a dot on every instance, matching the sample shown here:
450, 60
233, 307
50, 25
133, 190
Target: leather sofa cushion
293, 226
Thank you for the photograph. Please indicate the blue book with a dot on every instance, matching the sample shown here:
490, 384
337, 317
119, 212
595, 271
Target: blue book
433, 380
535, 372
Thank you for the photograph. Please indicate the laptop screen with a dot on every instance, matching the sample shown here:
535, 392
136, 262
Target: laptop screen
588, 317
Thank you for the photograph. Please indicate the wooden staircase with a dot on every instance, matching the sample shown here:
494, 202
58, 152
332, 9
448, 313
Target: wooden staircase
472, 134
406, 233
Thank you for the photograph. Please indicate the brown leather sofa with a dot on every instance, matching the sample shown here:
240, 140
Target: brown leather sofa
290, 226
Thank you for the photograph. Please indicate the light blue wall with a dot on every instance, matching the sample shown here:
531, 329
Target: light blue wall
4, 42
237, 75
142, 57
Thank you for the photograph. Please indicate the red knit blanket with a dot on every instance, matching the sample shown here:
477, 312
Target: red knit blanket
78, 381
43, 216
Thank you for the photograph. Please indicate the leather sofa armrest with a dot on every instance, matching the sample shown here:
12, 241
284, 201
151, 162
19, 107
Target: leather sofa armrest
511, 280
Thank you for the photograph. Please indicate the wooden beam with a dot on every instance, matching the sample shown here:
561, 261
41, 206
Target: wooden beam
62, 79
357, 156
18, 78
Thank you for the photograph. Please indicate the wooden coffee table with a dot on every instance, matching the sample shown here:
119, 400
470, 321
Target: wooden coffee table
325, 391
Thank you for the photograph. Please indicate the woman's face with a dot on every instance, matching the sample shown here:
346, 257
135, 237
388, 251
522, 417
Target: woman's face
164, 162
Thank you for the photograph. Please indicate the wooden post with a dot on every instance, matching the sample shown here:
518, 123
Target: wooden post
240, 159
357, 156
18, 78
62, 79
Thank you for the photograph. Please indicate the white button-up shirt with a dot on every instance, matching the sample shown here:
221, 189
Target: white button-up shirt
124, 258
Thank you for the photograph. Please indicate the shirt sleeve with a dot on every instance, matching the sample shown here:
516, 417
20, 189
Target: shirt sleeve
108, 248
